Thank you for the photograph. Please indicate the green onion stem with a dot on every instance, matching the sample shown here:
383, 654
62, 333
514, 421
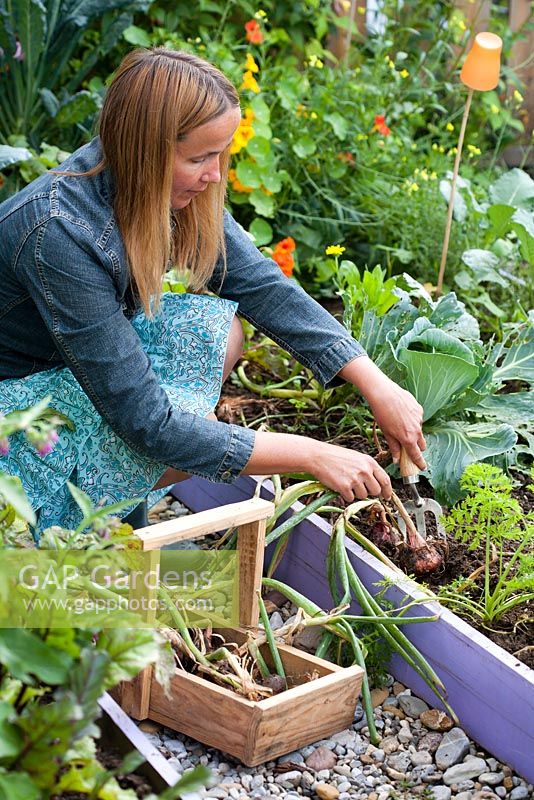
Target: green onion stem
277, 661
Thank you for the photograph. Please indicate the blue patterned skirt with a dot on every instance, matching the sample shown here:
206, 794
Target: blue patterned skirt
186, 343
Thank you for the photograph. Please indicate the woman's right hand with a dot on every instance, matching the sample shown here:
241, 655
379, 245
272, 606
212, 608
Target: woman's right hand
354, 475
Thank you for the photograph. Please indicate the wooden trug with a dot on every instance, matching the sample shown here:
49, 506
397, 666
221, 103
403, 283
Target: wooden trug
252, 731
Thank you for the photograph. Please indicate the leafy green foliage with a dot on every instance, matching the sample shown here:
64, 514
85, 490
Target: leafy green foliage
432, 348
489, 517
492, 275
40, 86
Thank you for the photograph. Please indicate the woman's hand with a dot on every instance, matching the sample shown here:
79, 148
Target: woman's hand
397, 413
354, 475
399, 416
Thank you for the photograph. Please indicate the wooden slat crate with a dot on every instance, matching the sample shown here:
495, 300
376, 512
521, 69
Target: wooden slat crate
253, 731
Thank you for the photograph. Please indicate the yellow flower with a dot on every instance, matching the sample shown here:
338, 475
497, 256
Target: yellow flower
452, 151
424, 174
244, 132
494, 109
518, 96
345, 4
250, 82
313, 115
416, 171
315, 61
433, 176
334, 250
449, 126
250, 64
261, 14
414, 187
474, 150
361, 10
301, 110
434, 146
361, 137
441, 149
404, 73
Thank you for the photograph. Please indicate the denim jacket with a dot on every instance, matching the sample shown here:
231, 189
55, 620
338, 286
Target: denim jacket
65, 301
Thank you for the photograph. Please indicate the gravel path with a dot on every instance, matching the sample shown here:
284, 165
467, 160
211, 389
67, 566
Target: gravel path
421, 754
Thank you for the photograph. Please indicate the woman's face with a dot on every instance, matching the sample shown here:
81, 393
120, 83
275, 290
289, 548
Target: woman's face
197, 156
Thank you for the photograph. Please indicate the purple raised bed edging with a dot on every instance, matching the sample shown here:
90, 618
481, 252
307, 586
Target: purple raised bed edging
490, 690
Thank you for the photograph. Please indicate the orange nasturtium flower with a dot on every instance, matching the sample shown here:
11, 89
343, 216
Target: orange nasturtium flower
380, 125
254, 34
282, 254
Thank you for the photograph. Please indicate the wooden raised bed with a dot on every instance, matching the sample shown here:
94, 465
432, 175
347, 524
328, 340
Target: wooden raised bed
490, 690
253, 731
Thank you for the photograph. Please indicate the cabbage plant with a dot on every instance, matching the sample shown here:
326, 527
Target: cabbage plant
433, 348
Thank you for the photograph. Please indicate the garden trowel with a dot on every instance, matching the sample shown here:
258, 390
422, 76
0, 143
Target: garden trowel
418, 506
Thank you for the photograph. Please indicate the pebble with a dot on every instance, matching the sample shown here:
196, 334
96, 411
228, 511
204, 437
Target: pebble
436, 720
326, 791
463, 796
491, 778
454, 746
471, 768
321, 759
289, 779
441, 793
378, 696
519, 793
412, 706
430, 742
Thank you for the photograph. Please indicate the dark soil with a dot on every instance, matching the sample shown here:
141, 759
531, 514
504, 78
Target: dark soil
237, 405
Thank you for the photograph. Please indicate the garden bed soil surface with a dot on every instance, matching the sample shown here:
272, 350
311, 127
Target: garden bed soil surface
516, 630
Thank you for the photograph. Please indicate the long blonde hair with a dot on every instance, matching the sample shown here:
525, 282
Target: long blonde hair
155, 99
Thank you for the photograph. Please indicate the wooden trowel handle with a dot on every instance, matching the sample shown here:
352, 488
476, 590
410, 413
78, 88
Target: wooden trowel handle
407, 468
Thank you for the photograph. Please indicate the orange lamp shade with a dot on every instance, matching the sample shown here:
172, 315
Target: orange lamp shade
482, 65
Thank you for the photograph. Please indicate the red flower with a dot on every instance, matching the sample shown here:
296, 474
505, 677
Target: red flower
254, 34
287, 245
380, 125
345, 156
285, 261
282, 255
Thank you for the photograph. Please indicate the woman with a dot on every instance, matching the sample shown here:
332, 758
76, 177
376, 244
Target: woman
84, 252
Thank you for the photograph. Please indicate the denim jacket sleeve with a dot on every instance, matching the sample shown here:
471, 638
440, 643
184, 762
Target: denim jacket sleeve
72, 284
281, 309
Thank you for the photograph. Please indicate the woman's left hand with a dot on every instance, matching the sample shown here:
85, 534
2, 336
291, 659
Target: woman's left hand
396, 411
399, 416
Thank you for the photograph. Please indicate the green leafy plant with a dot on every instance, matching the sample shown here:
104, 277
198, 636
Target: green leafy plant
433, 349
40, 77
494, 276
490, 518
